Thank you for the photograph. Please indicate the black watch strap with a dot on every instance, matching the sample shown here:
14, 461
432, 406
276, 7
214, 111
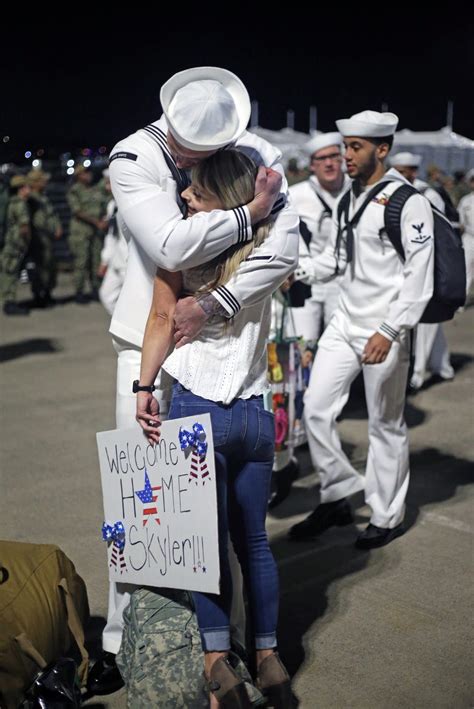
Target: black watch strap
136, 387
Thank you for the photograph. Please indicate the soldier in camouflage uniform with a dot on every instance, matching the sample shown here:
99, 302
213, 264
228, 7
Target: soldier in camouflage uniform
46, 228
86, 236
17, 240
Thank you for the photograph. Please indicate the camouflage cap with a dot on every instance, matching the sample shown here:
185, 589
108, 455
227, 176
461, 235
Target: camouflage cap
18, 181
35, 176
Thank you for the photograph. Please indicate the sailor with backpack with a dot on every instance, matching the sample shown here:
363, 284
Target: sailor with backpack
387, 285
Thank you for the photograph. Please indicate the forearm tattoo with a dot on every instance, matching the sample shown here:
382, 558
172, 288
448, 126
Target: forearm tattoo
212, 307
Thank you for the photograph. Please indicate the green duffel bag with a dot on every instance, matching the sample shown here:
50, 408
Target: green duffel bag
160, 657
43, 608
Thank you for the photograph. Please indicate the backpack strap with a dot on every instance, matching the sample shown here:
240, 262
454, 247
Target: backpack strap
349, 224
393, 213
180, 176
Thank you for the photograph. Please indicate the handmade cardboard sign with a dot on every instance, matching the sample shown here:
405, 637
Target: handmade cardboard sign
160, 505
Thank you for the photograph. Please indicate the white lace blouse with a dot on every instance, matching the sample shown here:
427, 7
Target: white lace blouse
228, 359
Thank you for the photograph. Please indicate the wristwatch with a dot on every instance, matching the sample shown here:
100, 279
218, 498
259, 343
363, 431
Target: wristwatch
136, 387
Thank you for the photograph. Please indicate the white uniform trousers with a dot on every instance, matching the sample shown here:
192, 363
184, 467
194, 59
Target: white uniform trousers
310, 320
431, 354
128, 369
337, 363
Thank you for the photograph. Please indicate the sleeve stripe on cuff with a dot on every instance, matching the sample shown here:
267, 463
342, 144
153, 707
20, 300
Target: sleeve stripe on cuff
240, 223
393, 334
230, 299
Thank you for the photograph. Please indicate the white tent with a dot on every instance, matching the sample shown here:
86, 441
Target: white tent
447, 150
289, 141
444, 148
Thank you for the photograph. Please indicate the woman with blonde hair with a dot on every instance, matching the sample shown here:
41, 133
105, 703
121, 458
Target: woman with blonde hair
223, 372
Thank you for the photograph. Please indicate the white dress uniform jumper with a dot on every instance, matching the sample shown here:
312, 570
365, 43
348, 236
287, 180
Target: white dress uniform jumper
147, 197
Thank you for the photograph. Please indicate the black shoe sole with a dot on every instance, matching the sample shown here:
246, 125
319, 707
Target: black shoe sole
343, 519
377, 542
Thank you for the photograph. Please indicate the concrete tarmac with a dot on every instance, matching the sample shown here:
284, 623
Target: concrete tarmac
383, 629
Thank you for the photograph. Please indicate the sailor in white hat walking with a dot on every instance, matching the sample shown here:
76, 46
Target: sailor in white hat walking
381, 298
431, 347
205, 109
314, 200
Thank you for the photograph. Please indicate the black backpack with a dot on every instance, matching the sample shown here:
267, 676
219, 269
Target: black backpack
449, 287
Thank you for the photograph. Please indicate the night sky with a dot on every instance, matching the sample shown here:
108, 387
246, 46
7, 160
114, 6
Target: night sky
83, 82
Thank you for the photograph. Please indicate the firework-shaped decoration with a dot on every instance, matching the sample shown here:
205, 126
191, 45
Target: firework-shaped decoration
194, 441
115, 534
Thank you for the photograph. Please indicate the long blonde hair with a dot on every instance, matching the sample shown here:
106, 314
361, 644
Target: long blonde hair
230, 176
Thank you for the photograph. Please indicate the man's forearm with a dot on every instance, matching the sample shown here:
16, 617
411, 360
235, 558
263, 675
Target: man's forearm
212, 307
267, 267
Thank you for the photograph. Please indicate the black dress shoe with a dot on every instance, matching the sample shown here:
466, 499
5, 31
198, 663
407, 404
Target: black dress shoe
12, 308
328, 514
284, 479
373, 537
81, 298
105, 677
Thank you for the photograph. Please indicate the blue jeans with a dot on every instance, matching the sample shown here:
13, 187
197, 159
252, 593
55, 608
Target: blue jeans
244, 440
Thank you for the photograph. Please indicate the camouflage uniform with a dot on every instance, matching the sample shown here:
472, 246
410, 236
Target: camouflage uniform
15, 248
85, 240
45, 223
160, 657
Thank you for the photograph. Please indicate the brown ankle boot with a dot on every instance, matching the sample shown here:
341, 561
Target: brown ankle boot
227, 686
274, 682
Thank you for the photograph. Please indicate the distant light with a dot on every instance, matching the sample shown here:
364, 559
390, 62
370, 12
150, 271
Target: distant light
6, 138
86, 151
70, 171
87, 163
36, 163
102, 149
28, 154
40, 152
70, 163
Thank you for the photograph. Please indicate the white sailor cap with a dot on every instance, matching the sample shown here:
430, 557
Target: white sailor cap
406, 160
368, 124
323, 140
206, 107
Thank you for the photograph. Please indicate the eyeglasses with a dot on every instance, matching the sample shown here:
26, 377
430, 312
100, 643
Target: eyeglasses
333, 157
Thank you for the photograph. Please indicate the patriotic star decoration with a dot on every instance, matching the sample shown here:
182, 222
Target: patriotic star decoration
148, 499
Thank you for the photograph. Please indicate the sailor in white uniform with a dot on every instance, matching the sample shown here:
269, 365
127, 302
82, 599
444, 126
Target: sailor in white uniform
205, 110
466, 217
381, 299
431, 347
314, 200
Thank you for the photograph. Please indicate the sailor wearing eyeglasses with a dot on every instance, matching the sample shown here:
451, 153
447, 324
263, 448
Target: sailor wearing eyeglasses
314, 200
